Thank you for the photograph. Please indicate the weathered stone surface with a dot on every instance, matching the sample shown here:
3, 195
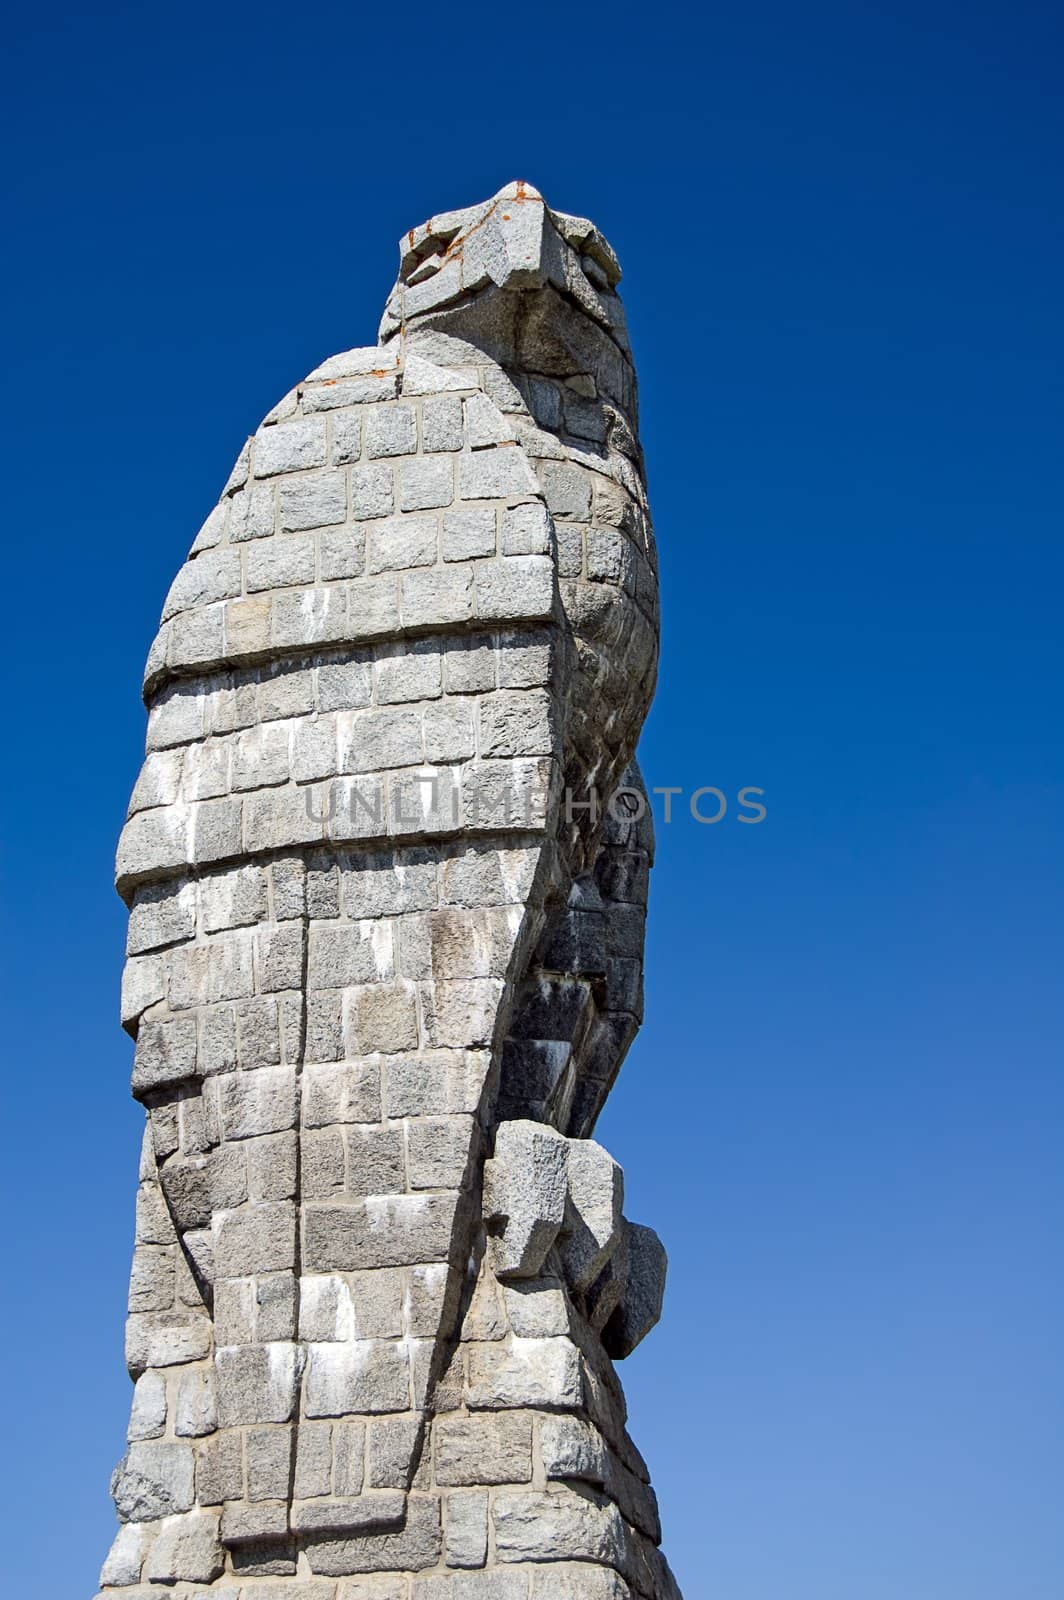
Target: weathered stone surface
562, 1580
196, 1411
414, 1547
484, 1449
261, 1523
256, 1383
524, 1372
153, 1480
357, 1376
466, 1533
220, 1469
392, 1445
524, 1194
558, 1525
126, 1556
295, 1589
593, 1221
349, 1516
147, 1418
500, 1583
374, 1587
382, 971
186, 1547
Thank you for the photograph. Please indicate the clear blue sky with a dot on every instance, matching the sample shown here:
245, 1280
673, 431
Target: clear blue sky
841, 233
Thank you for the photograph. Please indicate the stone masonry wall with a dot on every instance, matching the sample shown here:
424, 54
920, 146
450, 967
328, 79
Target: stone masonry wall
385, 960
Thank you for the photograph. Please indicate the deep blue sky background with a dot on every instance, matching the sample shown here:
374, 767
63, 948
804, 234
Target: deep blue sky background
841, 233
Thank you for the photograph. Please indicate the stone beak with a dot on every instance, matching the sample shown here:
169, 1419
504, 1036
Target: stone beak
510, 242
517, 246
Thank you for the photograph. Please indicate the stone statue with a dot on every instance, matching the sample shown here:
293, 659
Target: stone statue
386, 927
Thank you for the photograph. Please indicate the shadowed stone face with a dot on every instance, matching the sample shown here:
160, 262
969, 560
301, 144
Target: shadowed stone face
385, 960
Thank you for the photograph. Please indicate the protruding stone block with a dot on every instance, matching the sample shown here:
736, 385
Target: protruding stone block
524, 1196
593, 1215
640, 1308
